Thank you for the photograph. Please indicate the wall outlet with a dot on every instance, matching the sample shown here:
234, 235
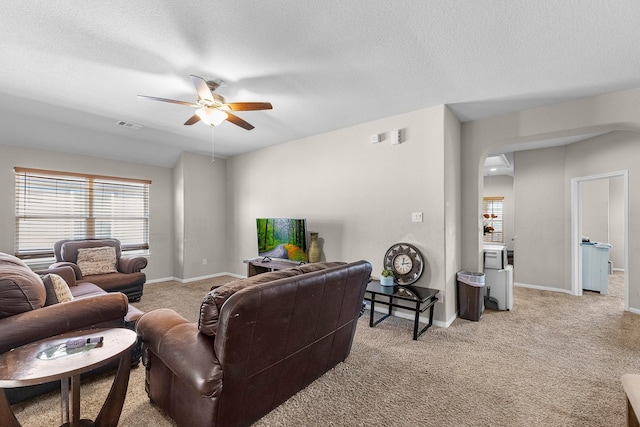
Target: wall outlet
204, 261
416, 217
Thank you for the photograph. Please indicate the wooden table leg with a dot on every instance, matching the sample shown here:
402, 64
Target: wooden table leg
112, 408
6, 414
75, 400
64, 400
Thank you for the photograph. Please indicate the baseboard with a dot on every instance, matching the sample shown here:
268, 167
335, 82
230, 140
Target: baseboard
542, 288
634, 310
194, 279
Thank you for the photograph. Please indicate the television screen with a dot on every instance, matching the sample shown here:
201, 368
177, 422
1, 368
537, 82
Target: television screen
283, 238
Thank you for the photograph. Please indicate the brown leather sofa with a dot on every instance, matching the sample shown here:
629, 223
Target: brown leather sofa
24, 318
128, 278
258, 342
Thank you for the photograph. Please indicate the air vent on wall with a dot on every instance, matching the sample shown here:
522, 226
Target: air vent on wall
129, 125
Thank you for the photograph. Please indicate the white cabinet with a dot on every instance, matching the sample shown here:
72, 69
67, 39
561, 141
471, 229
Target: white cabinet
501, 284
595, 267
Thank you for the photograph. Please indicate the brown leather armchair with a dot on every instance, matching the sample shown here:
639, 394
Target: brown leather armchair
258, 342
24, 318
128, 277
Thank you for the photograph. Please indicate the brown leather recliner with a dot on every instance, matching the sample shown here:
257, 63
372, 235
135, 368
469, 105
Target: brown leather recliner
24, 318
258, 342
128, 278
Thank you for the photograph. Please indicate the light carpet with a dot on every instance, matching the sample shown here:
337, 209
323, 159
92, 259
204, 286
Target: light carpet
554, 360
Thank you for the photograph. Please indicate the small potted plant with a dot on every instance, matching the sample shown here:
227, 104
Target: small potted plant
386, 278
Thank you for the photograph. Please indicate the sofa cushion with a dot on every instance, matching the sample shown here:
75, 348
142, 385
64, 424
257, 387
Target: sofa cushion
116, 282
20, 288
97, 260
213, 301
316, 266
86, 290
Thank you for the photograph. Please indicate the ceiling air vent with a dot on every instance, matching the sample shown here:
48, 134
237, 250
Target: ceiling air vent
129, 125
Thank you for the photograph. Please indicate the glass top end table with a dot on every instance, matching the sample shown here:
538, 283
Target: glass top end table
413, 298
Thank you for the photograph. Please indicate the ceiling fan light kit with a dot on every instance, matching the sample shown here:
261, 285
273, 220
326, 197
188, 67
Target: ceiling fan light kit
211, 116
212, 108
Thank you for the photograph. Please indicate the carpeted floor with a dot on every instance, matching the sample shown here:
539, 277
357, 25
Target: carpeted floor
554, 360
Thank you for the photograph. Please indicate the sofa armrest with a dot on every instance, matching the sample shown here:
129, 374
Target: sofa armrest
75, 267
183, 349
52, 320
132, 264
65, 271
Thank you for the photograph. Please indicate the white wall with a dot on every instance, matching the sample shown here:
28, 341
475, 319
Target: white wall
160, 196
595, 210
540, 207
616, 222
358, 196
204, 220
453, 236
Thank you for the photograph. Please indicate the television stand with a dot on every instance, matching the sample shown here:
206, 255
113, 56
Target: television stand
264, 265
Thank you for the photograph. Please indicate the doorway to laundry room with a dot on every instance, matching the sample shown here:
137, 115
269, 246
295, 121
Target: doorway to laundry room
600, 235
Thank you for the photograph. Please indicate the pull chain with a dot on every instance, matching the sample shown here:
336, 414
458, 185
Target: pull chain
213, 159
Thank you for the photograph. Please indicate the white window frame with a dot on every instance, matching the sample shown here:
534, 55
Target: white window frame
53, 205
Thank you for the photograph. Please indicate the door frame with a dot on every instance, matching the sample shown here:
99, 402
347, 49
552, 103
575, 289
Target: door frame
576, 227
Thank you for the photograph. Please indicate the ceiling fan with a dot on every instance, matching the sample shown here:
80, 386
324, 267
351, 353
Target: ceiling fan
212, 108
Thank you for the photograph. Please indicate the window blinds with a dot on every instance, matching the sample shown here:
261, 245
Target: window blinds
493, 219
52, 205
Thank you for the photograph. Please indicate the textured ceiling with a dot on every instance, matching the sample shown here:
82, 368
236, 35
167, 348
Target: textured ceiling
324, 65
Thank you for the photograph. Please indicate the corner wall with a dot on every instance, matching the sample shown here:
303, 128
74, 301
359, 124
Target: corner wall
200, 216
359, 196
618, 111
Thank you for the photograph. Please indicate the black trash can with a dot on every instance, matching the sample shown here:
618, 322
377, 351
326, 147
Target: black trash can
470, 295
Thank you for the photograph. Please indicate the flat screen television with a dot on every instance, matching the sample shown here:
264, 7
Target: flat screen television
282, 238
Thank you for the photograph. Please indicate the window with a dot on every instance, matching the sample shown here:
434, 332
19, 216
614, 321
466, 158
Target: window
52, 206
492, 219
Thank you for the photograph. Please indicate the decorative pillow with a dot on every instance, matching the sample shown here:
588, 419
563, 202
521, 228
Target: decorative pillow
57, 289
97, 260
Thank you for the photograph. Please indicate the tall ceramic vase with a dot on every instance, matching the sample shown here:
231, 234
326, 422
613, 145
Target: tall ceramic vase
314, 249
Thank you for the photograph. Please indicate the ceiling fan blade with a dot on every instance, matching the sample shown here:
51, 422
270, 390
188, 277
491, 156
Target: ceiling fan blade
249, 106
192, 120
239, 122
203, 90
173, 101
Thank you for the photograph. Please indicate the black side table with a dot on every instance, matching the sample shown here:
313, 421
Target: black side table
422, 298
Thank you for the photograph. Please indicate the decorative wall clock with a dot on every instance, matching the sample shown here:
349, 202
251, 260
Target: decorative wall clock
405, 261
